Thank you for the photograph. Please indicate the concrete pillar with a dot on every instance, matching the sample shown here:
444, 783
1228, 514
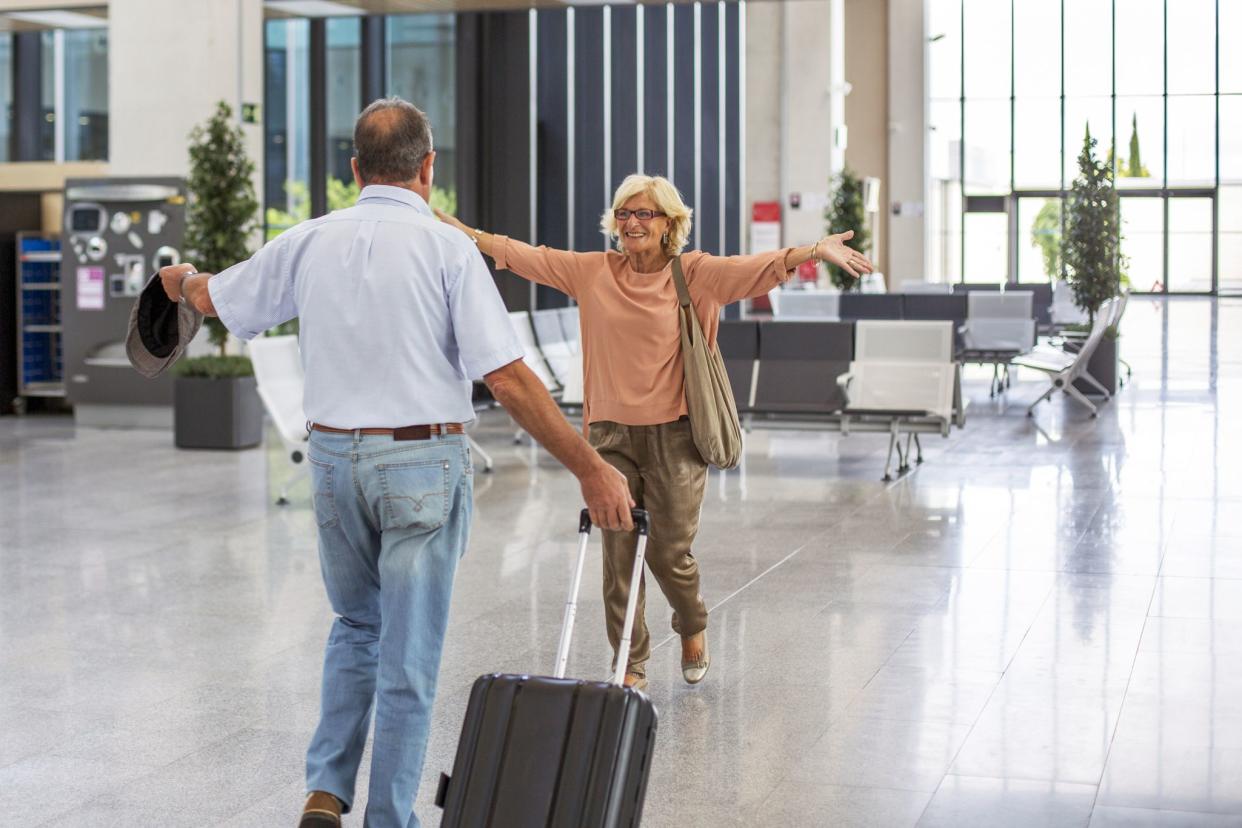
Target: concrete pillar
169, 63
907, 150
866, 106
795, 101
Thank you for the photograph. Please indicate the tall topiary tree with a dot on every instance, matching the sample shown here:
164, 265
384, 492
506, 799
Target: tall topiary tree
1135, 167
846, 212
223, 210
1092, 243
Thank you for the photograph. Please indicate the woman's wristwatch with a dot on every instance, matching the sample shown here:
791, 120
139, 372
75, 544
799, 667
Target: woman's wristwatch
475, 234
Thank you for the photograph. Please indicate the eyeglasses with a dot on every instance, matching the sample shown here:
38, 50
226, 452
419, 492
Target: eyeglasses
641, 215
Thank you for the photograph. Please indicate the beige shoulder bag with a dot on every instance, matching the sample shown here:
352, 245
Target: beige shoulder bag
713, 413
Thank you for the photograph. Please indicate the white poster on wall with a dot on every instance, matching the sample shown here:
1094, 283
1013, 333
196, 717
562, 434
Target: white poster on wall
90, 288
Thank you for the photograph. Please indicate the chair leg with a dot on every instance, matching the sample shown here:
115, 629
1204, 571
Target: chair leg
477, 449
1082, 398
918, 447
888, 461
301, 471
905, 458
1099, 386
1047, 395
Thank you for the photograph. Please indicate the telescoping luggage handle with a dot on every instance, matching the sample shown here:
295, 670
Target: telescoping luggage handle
641, 523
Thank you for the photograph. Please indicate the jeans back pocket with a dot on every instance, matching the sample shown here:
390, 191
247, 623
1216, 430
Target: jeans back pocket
416, 494
325, 501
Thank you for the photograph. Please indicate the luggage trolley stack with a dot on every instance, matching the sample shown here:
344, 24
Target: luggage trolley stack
552, 751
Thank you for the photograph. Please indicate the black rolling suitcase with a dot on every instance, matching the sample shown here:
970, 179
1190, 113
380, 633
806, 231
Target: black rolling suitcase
555, 752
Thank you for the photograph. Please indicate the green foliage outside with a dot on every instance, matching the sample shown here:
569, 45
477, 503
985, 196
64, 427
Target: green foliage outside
341, 194
846, 212
214, 367
1046, 235
223, 209
1131, 167
1092, 244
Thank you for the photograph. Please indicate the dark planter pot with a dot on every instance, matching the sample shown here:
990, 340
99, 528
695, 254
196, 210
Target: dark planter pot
217, 413
1102, 366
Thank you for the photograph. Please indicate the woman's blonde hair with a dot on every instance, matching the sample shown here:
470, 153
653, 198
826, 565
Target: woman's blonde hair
667, 200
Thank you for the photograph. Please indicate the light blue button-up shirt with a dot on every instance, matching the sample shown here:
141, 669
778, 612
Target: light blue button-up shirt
397, 311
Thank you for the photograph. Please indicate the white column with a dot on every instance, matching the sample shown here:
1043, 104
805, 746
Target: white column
907, 152
168, 65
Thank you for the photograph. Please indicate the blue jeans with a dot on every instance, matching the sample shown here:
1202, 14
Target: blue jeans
394, 518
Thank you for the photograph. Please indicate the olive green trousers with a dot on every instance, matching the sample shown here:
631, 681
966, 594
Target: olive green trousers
667, 477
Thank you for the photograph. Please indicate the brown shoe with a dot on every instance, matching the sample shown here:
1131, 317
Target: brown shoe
323, 810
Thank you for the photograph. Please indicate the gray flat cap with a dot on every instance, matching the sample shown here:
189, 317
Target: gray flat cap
159, 330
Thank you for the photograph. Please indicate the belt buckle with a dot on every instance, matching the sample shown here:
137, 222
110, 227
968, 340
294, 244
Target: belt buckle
418, 432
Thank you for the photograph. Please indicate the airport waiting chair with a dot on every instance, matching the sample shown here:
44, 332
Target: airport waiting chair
806, 304
1063, 311
871, 305
738, 341
798, 366
925, 289
998, 327
1063, 368
571, 327
550, 337
903, 380
533, 357
278, 375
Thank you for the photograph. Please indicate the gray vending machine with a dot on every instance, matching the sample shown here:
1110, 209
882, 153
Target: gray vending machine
117, 233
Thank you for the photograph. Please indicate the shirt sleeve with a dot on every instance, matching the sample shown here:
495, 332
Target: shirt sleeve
560, 269
728, 279
481, 326
252, 296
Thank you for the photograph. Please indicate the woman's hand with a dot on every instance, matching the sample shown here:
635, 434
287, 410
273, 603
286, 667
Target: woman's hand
451, 220
832, 249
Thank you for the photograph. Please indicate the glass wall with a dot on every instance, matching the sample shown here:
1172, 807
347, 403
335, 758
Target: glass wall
85, 115
6, 95
71, 85
344, 91
420, 66
1028, 79
286, 164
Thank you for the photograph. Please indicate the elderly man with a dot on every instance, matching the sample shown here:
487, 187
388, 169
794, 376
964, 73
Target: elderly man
397, 314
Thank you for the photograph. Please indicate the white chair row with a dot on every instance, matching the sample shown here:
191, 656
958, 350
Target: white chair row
280, 382
903, 380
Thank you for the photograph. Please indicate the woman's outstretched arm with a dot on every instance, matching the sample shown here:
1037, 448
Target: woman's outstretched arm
560, 269
730, 278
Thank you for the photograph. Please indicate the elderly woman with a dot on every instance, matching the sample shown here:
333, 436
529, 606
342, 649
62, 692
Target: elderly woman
635, 406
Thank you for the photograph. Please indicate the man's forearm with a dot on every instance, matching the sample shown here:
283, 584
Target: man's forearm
522, 394
194, 288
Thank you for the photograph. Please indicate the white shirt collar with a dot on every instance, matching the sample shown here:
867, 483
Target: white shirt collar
398, 194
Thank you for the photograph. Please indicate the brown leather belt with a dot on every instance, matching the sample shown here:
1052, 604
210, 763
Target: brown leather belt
414, 432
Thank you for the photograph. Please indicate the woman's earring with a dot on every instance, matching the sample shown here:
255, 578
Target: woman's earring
665, 239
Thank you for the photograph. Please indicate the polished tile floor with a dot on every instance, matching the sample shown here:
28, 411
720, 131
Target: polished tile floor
1041, 626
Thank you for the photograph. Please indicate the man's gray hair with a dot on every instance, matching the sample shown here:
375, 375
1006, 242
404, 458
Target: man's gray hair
391, 139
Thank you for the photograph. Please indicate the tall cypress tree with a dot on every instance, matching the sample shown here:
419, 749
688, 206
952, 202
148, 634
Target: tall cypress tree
1092, 243
1136, 162
223, 209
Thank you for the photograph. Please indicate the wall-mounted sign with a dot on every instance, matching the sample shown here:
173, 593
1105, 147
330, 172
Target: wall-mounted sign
90, 288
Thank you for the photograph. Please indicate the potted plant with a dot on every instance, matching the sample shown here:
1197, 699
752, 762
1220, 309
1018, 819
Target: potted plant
1091, 250
846, 211
215, 400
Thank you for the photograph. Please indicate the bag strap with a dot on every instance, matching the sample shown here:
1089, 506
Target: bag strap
679, 279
